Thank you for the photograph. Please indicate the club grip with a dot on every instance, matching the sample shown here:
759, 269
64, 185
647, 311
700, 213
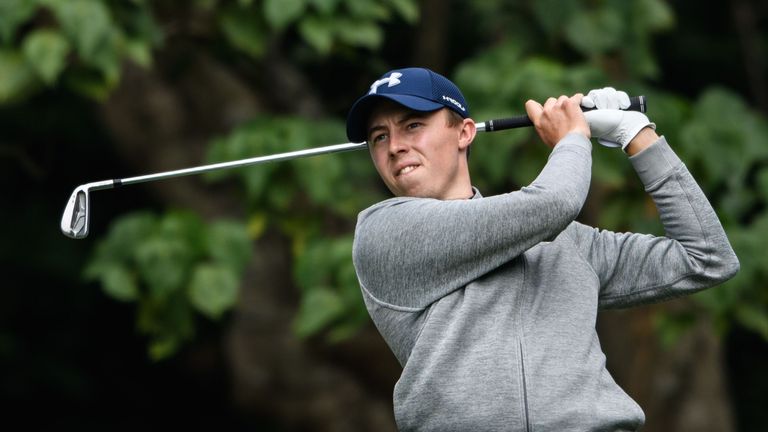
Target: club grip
636, 103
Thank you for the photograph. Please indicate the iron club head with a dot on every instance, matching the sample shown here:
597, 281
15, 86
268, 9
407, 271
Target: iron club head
75, 220
76, 217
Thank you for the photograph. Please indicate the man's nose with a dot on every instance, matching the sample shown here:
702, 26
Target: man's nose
397, 144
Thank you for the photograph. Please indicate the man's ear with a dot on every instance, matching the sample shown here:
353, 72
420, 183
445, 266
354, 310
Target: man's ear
467, 133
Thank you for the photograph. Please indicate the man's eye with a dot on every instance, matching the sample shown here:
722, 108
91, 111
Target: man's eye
378, 138
414, 125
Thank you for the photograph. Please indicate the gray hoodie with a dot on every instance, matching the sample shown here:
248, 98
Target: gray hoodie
489, 304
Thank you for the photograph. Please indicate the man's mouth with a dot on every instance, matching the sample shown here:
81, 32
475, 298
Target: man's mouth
405, 170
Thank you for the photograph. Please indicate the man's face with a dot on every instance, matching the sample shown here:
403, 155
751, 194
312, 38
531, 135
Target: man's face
418, 154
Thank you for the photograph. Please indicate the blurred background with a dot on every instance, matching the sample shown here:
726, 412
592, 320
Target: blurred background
229, 300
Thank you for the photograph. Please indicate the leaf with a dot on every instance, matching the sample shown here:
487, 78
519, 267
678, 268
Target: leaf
657, 14
314, 265
46, 51
257, 224
17, 79
187, 228
318, 178
671, 327
163, 347
89, 83
331, 297
723, 137
325, 7
12, 14
553, 13
367, 10
408, 9
213, 289
610, 167
244, 30
117, 251
542, 78
317, 32
754, 316
162, 265
595, 32
360, 33
280, 13
319, 307
762, 184
119, 283
138, 51
138, 31
229, 245
168, 323
126, 234
89, 25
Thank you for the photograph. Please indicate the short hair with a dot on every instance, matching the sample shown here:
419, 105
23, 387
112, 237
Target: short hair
455, 119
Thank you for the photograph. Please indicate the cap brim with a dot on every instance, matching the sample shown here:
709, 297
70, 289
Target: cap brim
357, 119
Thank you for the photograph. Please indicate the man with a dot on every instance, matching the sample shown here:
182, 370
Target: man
489, 303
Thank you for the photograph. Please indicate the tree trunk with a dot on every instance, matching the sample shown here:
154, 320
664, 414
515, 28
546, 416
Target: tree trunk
746, 17
681, 387
430, 47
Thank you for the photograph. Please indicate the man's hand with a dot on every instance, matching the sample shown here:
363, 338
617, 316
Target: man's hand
557, 118
612, 127
616, 128
606, 98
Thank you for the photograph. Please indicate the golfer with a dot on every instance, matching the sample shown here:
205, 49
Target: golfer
489, 303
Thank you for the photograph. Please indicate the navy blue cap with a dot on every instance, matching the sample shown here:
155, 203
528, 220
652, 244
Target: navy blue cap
416, 88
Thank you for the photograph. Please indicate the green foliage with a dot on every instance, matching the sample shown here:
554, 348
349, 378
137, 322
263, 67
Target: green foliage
724, 143
46, 51
83, 41
322, 24
330, 184
17, 78
305, 199
244, 29
12, 14
501, 80
622, 28
173, 267
331, 294
613, 33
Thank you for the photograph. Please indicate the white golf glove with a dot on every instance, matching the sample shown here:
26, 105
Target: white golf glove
616, 128
606, 98
607, 122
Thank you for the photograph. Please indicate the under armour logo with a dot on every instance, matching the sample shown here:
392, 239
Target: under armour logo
391, 81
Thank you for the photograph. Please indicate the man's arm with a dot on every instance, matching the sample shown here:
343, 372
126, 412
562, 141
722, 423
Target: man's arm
644, 139
695, 253
409, 252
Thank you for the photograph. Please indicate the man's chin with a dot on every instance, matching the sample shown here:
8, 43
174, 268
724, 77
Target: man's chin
414, 192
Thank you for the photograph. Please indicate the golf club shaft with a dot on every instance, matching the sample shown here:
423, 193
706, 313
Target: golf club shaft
637, 104
336, 148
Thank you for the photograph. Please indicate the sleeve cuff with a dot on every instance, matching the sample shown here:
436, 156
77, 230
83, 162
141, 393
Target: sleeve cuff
655, 162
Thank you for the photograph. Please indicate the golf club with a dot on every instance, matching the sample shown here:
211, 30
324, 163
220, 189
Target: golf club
76, 217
